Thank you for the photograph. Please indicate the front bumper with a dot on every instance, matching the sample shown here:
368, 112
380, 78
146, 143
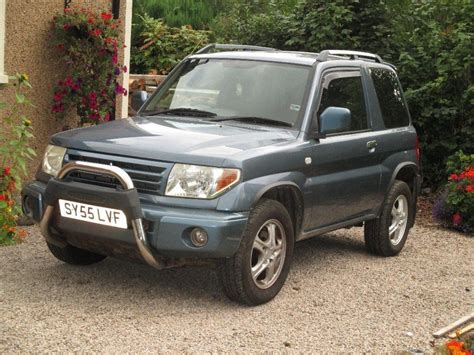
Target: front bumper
157, 232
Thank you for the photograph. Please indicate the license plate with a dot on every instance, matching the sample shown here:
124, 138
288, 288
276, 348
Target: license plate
93, 214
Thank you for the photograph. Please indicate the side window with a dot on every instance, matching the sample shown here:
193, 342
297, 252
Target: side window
345, 92
389, 94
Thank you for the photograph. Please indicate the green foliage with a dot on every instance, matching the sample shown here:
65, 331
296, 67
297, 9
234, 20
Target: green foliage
430, 41
14, 152
176, 13
436, 68
162, 47
264, 22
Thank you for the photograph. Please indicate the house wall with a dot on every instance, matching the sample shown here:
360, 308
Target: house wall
28, 50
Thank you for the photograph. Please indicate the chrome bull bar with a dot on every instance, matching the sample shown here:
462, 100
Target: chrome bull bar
127, 183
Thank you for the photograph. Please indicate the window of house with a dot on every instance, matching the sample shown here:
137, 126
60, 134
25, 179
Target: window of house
389, 94
341, 90
3, 76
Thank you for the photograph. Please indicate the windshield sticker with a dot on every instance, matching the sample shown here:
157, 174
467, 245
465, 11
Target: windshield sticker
294, 107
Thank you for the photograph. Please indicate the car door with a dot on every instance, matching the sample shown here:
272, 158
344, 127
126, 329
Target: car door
345, 168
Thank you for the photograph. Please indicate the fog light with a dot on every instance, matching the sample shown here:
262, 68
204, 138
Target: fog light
199, 237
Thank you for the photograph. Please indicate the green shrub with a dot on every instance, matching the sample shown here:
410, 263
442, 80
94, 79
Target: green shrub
15, 150
162, 47
436, 68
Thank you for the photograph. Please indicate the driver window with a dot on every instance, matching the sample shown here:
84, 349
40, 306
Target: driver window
347, 92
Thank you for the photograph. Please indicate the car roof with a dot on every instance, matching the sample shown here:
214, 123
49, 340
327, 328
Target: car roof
301, 58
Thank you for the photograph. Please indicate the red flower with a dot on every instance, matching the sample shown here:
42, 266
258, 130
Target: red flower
58, 108
92, 96
457, 218
124, 68
453, 177
106, 16
95, 32
3, 197
67, 26
469, 173
90, 20
68, 82
60, 46
469, 188
7, 171
58, 96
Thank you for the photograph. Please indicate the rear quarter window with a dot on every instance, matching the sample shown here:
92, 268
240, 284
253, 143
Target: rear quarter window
389, 94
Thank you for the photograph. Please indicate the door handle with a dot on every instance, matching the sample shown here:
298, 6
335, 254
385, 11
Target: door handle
371, 144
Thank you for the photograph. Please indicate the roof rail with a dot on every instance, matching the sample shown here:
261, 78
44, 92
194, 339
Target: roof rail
241, 47
324, 55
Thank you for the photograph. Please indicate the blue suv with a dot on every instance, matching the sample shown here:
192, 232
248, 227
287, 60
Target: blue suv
241, 152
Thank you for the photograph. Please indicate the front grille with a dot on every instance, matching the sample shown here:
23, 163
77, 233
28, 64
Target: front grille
148, 176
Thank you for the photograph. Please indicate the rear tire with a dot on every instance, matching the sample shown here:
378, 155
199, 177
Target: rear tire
74, 256
387, 234
257, 272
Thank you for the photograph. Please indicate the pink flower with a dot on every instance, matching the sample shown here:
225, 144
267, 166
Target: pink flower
124, 68
115, 58
457, 218
67, 26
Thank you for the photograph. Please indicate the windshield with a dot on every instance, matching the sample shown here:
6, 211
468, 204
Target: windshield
235, 89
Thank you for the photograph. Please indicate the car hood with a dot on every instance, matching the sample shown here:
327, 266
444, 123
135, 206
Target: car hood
176, 139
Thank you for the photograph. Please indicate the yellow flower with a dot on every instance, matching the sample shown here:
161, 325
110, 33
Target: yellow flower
9, 210
27, 123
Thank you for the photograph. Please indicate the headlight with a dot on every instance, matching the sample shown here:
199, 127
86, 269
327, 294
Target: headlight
53, 159
194, 181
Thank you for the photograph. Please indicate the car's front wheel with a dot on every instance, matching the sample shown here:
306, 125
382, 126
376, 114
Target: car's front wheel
257, 272
74, 256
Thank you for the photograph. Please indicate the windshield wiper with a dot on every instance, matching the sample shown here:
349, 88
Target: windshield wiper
181, 111
252, 119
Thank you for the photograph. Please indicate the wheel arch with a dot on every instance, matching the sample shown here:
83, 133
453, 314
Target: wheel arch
289, 195
408, 173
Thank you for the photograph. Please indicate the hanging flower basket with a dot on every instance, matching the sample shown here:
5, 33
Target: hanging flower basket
88, 43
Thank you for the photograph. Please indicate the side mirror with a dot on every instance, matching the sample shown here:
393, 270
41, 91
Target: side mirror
334, 119
138, 99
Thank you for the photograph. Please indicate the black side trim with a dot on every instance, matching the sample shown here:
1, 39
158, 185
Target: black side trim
125, 200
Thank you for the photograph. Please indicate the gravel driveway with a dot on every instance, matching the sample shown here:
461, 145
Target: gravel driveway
337, 298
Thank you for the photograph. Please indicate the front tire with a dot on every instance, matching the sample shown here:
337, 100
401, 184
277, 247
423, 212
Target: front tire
387, 234
257, 272
74, 256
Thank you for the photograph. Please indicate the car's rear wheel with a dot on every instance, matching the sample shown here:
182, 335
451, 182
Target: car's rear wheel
74, 256
257, 272
387, 235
